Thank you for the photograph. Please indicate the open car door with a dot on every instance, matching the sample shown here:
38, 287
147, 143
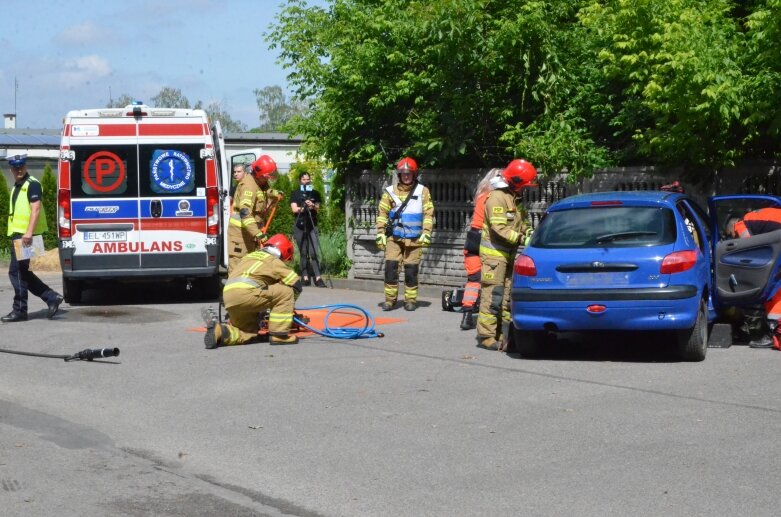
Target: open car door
747, 269
224, 174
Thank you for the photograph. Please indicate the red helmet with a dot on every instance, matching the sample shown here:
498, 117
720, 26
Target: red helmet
407, 164
519, 174
264, 166
282, 244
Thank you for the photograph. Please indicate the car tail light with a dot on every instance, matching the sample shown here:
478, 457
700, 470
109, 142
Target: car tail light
678, 262
212, 211
524, 266
64, 214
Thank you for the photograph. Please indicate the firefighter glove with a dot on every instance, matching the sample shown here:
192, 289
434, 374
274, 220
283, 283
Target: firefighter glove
528, 236
261, 238
424, 240
382, 240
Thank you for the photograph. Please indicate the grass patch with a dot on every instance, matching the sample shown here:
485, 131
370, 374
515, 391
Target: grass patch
334, 261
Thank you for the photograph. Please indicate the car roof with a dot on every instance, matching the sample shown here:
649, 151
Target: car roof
626, 197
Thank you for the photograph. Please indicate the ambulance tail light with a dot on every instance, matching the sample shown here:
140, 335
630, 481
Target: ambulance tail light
212, 211
64, 214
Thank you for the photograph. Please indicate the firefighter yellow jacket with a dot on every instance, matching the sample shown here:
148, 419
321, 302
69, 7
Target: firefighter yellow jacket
503, 227
260, 269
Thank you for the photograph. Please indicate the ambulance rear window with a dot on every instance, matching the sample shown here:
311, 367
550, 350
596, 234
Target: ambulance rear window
171, 169
99, 171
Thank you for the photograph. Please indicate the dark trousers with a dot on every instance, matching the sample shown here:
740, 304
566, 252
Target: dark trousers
308, 244
25, 280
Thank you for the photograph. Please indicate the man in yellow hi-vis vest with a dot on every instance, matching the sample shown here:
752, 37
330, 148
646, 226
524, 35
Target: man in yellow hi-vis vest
26, 218
503, 228
260, 281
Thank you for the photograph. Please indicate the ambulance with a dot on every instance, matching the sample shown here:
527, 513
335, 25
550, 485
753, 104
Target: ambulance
142, 195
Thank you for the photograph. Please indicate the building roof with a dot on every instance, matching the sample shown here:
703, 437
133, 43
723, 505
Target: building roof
29, 138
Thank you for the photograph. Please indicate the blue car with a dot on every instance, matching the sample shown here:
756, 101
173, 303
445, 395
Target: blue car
637, 261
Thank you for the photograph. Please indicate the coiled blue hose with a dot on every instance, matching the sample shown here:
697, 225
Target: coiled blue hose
367, 331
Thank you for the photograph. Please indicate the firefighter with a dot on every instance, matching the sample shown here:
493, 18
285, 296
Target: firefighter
405, 220
252, 203
504, 226
260, 281
472, 263
763, 323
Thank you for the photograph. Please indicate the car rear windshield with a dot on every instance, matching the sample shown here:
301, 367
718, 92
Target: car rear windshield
606, 227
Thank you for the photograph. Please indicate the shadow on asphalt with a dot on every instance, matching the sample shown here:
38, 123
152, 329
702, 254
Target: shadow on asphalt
609, 346
142, 293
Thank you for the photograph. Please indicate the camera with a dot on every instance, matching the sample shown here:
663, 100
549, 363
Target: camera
307, 193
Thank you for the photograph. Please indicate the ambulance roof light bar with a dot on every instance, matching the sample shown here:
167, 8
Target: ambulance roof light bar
137, 109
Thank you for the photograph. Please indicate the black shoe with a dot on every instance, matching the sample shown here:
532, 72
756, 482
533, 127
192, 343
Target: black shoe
468, 321
763, 342
54, 305
13, 317
319, 283
306, 281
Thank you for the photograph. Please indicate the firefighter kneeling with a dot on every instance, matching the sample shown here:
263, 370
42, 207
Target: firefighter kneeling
260, 281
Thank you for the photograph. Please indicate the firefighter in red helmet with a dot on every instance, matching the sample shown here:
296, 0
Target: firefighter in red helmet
503, 228
472, 263
252, 203
405, 220
261, 280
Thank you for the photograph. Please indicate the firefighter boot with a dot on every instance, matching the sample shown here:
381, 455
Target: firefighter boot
766, 339
487, 343
214, 335
388, 305
410, 306
468, 321
283, 340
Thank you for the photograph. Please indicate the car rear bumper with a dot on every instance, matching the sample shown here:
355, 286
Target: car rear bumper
675, 292
669, 308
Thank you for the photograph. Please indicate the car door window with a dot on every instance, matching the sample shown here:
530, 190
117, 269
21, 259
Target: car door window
696, 222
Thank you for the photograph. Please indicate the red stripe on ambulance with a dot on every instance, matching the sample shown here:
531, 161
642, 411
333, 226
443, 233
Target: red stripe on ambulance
172, 130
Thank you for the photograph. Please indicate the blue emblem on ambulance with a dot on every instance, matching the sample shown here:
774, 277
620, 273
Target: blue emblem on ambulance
171, 171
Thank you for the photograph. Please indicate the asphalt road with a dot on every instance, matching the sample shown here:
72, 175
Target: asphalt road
420, 422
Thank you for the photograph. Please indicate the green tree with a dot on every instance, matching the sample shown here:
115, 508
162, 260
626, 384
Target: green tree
452, 82
764, 72
275, 108
675, 71
49, 205
169, 97
218, 111
121, 101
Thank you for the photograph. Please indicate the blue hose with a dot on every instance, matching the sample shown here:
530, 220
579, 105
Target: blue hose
367, 331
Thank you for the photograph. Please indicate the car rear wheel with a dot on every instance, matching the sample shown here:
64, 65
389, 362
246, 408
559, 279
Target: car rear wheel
693, 343
71, 290
527, 343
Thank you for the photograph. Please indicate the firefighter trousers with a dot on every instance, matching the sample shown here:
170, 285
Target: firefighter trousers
495, 283
239, 244
407, 252
245, 305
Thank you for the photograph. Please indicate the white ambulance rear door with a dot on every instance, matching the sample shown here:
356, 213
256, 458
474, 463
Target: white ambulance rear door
224, 173
104, 189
